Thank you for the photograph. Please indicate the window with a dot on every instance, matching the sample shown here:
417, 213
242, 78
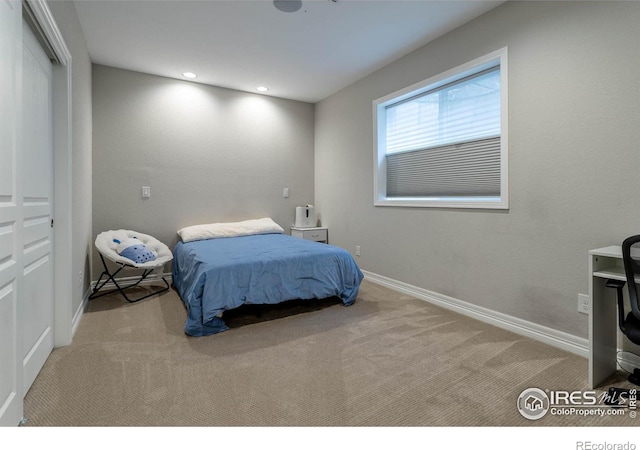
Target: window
443, 142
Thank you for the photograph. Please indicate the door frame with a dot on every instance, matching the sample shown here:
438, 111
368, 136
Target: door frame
64, 319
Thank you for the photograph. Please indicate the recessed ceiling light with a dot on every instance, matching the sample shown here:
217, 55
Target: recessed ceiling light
262, 89
287, 5
189, 75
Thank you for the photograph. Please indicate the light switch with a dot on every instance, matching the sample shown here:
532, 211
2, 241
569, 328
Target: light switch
285, 192
146, 191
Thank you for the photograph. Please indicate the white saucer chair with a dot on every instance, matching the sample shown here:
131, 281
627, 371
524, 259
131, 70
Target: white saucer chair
107, 249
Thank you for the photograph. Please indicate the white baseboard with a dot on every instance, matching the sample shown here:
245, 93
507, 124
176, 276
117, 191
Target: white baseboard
555, 338
628, 361
77, 316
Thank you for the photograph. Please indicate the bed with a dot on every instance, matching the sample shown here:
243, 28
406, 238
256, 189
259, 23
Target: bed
216, 274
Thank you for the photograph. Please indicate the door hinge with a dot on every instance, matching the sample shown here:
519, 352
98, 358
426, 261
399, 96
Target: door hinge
51, 223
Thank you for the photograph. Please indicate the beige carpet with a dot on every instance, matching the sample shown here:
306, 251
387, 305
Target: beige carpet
387, 360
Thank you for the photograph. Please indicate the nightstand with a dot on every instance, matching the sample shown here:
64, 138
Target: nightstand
318, 234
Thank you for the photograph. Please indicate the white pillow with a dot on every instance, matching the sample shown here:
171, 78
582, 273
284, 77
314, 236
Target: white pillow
230, 229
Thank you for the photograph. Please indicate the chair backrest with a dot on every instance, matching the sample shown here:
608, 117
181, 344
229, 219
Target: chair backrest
631, 259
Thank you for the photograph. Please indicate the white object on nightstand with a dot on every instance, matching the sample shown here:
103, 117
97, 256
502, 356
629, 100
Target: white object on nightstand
305, 217
318, 234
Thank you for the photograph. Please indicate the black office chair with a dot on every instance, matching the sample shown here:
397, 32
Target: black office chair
630, 325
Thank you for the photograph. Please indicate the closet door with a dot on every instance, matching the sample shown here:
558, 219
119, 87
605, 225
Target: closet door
35, 295
11, 392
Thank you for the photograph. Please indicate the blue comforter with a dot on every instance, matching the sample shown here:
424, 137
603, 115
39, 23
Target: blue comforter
216, 275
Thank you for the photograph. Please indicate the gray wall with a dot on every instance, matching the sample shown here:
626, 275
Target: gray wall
209, 154
574, 138
66, 18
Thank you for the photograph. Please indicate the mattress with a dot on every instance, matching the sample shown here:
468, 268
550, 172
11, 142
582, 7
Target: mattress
216, 275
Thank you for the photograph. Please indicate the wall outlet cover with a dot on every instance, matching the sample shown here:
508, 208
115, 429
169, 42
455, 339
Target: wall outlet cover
584, 304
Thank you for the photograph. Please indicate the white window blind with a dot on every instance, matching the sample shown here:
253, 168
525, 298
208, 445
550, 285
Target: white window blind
446, 141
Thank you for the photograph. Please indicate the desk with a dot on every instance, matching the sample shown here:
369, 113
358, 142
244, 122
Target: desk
604, 263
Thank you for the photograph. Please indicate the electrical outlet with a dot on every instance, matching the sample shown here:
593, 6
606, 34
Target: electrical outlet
357, 250
584, 304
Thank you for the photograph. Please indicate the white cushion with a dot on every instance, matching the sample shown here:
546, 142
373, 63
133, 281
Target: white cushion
230, 229
107, 247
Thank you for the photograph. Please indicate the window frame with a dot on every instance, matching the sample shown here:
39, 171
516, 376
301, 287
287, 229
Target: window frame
498, 57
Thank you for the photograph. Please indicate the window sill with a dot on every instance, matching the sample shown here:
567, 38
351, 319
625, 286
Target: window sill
442, 202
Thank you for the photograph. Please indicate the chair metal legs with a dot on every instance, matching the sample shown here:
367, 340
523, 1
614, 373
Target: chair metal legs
121, 289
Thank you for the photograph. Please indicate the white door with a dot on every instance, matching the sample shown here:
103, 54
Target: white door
10, 349
35, 282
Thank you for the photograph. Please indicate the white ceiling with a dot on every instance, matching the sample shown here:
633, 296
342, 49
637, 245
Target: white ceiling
305, 55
